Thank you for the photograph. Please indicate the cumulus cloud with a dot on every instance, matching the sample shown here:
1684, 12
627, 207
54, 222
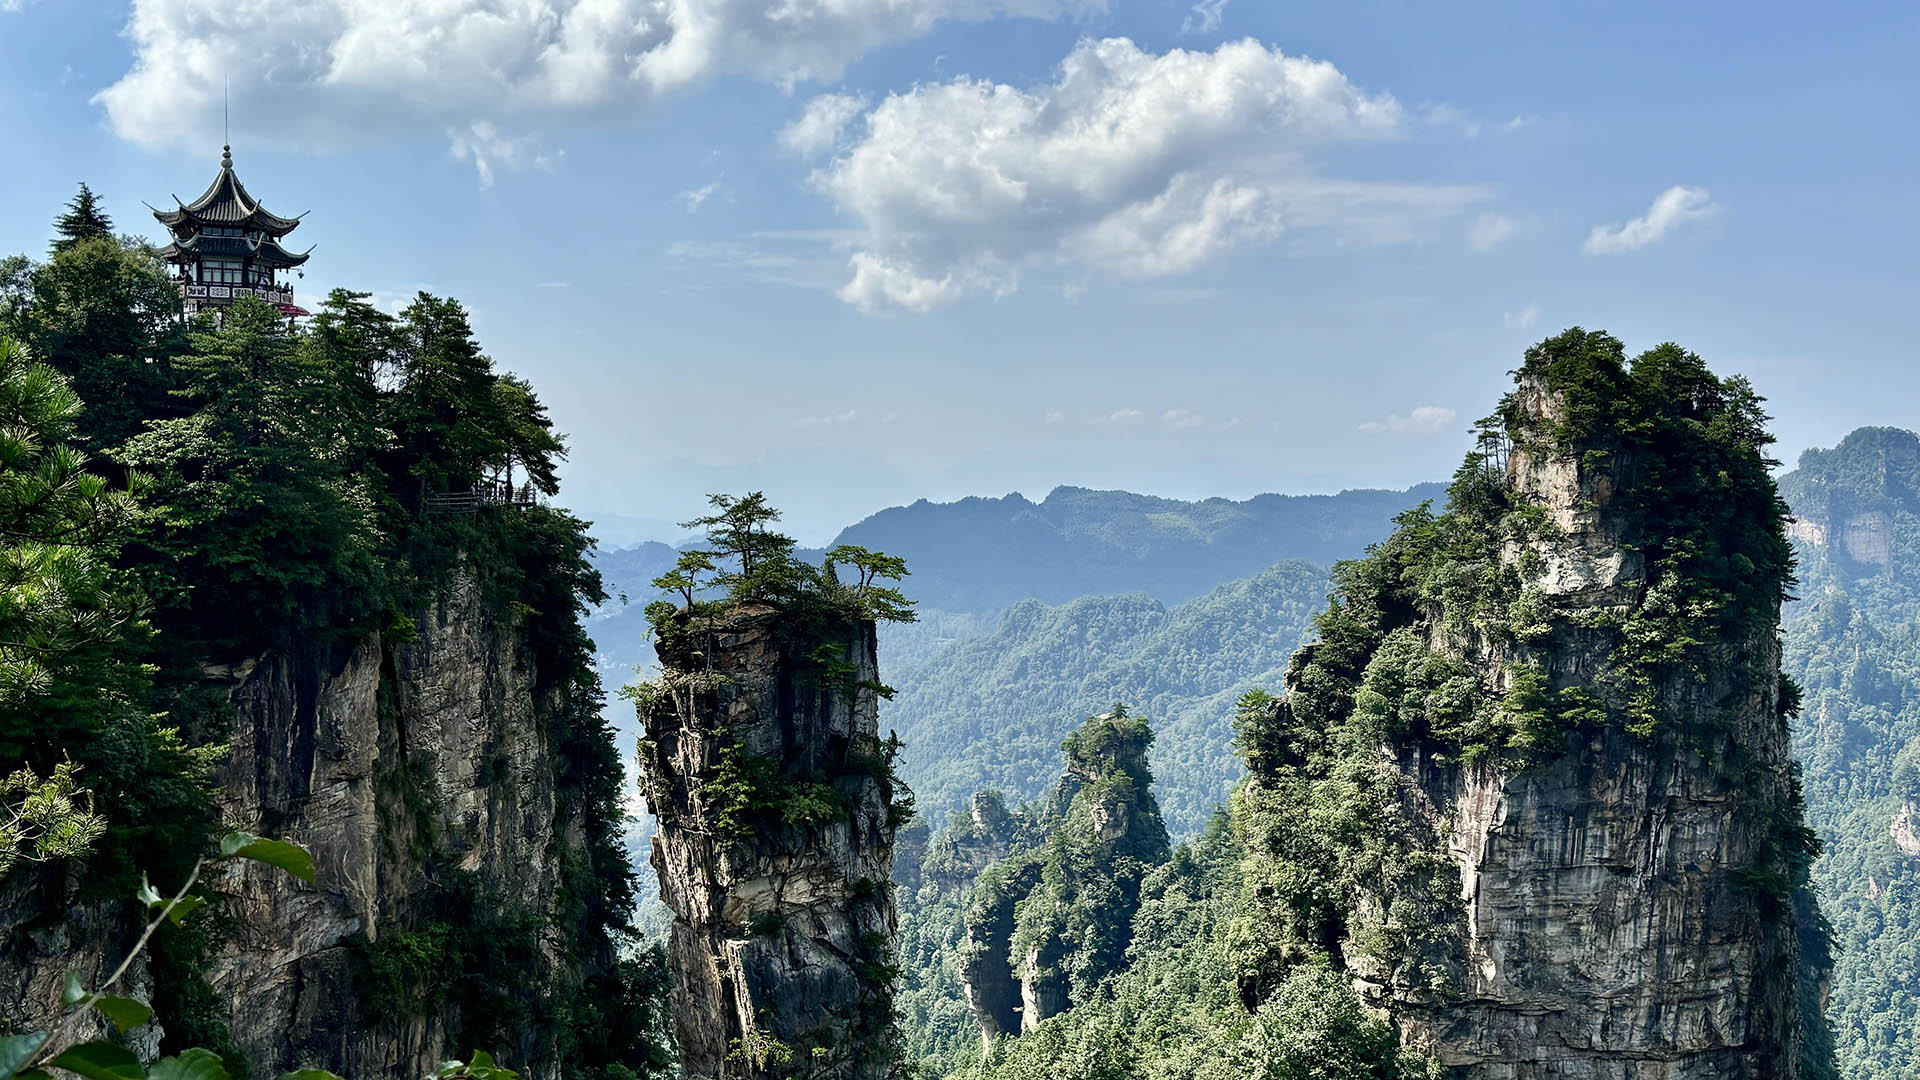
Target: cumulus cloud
1671, 209
1423, 420
1129, 163
821, 124
334, 72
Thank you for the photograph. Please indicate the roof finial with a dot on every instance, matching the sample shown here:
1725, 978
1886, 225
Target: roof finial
226, 128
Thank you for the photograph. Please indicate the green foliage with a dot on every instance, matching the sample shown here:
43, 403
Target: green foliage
988, 710
83, 221
256, 487
43, 820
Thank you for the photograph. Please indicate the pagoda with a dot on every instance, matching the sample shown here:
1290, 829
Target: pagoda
226, 246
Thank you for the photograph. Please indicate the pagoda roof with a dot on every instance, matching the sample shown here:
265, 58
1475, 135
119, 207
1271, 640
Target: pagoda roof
225, 203
262, 252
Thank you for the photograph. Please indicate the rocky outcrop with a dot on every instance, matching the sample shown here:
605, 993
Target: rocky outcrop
969, 844
1624, 912
777, 809
1057, 917
1905, 829
410, 770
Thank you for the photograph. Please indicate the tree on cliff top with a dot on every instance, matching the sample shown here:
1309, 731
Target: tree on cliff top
751, 562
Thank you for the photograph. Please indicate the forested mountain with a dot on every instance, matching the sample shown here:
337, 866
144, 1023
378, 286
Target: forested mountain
981, 555
1853, 641
1565, 685
248, 581
990, 711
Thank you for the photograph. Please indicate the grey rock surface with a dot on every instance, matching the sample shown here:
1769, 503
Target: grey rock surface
784, 922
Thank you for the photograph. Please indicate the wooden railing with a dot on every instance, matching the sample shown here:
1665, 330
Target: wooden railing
489, 493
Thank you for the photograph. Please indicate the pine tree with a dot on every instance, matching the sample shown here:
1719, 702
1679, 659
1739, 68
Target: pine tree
84, 220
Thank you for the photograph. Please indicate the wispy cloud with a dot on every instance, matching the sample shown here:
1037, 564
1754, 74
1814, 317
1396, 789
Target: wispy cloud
692, 199
839, 419
1121, 416
1522, 319
1423, 420
1182, 419
1671, 209
488, 148
1204, 18
1489, 231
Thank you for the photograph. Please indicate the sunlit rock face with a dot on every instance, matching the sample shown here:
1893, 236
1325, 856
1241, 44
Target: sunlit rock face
1905, 829
784, 924
1610, 916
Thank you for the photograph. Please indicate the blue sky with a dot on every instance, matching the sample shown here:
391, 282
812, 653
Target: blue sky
857, 252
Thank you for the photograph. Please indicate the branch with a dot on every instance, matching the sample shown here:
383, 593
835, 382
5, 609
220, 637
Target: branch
48, 1051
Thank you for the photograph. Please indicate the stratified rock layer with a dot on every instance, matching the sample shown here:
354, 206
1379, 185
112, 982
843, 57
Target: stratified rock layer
1615, 917
784, 921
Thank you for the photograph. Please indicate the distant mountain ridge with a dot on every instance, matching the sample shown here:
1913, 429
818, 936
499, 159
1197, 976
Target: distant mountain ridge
984, 554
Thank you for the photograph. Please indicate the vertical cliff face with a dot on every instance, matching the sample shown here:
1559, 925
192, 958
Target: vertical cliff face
1554, 717
411, 771
423, 777
776, 807
1614, 916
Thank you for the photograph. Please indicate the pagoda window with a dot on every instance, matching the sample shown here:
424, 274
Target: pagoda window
221, 272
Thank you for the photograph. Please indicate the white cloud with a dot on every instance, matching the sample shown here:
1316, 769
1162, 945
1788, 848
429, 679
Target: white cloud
1130, 163
1121, 416
1671, 209
488, 149
337, 72
1489, 231
839, 419
1423, 420
1182, 419
1205, 17
1522, 319
1054, 416
693, 198
7, 6
821, 124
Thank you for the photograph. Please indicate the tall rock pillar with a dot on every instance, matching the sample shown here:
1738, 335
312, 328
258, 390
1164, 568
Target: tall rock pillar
761, 758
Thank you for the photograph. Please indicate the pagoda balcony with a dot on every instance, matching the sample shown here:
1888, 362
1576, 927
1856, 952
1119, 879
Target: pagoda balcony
198, 295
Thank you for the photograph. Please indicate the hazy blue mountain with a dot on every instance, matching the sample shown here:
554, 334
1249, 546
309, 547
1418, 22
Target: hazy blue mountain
982, 554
